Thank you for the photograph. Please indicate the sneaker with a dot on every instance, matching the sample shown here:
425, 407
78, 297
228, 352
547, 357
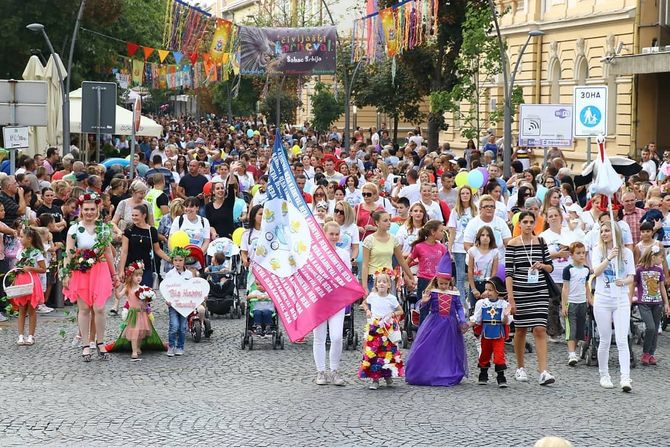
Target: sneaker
21, 341
30, 340
374, 385
572, 359
43, 309
335, 379
645, 358
483, 377
555, 339
520, 375
2, 317
179, 351
652, 360
389, 381
606, 382
502, 381
625, 385
321, 378
170, 351
416, 317
546, 378
76, 341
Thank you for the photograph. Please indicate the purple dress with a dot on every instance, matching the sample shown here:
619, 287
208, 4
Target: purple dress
438, 356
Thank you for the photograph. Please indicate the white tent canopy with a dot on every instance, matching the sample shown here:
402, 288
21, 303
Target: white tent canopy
124, 120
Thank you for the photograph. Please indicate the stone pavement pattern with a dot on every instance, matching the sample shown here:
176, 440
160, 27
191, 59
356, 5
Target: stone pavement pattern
218, 394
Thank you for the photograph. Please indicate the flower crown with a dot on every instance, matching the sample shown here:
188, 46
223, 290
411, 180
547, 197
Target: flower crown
89, 197
180, 252
145, 294
137, 265
384, 271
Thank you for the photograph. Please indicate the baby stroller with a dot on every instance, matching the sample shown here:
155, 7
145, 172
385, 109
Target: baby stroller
349, 334
196, 327
248, 336
224, 297
589, 350
409, 328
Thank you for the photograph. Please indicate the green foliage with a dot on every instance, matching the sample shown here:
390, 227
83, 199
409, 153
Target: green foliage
242, 105
289, 102
326, 107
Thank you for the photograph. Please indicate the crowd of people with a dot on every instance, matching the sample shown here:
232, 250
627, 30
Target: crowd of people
534, 251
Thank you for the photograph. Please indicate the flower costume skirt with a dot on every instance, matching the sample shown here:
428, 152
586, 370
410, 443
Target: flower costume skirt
381, 357
37, 296
94, 286
138, 326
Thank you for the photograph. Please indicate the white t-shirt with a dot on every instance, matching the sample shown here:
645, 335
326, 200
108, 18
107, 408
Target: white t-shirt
576, 278
412, 193
382, 306
605, 288
406, 238
374, 138
554, 242
249, 242
459, 223
650, 167
85, 240
499, 227
483, 263
353, 198
434, 211
197, 231
593, 236
36, 256
348, 237
449, 197
173, 273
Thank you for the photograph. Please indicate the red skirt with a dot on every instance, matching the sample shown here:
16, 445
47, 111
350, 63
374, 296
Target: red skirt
37, 296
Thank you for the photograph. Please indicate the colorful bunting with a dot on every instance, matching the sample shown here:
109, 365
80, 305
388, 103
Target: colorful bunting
147, 52
138, 71
132, 48
162, 54
193, 57
221, 40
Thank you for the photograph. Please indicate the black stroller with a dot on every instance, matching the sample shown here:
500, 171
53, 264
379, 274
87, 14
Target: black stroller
589, 351
224, 296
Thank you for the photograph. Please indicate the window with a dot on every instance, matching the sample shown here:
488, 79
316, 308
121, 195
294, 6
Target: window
664, 12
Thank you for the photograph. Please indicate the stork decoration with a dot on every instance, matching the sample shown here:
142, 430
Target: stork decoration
607, 182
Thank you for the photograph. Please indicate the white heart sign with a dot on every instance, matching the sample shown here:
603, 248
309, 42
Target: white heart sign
184, 295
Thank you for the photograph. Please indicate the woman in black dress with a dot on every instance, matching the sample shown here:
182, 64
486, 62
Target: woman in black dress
139, 243
526, 257
219, 212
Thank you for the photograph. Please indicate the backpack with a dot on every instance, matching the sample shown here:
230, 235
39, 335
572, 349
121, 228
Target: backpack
181, 221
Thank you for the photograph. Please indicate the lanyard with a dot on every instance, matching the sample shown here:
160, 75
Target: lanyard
528, 256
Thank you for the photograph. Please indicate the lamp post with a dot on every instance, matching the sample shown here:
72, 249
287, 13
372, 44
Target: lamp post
349, 85
39, 28
508, 86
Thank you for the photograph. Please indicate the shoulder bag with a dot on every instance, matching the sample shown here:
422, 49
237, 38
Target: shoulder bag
554, 291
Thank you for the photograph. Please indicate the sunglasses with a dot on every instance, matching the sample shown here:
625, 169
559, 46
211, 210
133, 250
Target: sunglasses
367, 194
339, 211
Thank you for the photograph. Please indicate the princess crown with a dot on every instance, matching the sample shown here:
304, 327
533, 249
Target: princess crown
136, 265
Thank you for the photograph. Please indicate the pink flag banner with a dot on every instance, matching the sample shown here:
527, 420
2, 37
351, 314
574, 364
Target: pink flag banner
293, 260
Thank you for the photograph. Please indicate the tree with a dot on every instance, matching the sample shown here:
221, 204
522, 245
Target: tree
398, 97
288, 100
326, 108
242, 104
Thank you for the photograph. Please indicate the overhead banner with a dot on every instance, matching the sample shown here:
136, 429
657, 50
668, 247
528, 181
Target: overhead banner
308, 51
221, 41
299, 268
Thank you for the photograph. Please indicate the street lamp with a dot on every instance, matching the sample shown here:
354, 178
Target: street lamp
39, 28
348, 87
508, 86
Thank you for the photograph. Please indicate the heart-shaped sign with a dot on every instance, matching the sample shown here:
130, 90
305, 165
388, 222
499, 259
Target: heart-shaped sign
184, 295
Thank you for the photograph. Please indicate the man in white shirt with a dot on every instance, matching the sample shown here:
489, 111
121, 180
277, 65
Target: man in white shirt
329, 171
415, 138
411, 191
648, 164
352, 159
374, 136
487, 208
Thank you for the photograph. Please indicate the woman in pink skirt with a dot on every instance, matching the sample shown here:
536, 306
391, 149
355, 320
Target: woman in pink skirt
88, 272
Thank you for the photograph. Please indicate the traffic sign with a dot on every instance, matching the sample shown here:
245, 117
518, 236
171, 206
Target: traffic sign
590, 107
15, 137
98, 107
544, 125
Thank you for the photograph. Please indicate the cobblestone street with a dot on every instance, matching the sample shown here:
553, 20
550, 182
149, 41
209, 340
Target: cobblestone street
217, 394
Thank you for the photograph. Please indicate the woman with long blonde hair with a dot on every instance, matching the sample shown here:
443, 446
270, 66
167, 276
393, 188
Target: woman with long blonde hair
464, 210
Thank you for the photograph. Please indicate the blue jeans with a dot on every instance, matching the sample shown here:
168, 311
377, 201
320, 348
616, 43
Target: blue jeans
263, 317
424, 309
176, 329
461, 274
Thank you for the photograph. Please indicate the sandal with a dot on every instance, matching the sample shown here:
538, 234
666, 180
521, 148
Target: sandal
86, 356
113, 312
103, 355
135, 359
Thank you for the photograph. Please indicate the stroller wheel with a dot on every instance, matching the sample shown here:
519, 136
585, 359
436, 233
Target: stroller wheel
208, 329
274, 342
251, 343
355, 341
529, 348
281, 343
197, 331
243, 341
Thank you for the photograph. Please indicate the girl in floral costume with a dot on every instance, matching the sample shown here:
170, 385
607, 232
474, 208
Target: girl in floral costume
381, 355
88, 271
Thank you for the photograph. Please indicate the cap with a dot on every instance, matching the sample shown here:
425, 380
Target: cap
81, 176
497, 284
199, 141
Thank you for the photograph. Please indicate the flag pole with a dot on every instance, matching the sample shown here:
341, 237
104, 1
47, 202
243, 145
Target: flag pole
601, 150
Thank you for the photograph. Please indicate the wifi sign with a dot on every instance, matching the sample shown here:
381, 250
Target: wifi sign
531, 126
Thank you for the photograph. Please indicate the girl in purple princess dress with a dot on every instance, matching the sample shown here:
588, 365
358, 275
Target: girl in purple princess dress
438, 356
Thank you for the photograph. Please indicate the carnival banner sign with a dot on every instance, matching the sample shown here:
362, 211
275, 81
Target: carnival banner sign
309, 51
295, 263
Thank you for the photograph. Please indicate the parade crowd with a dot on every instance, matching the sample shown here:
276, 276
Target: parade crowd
439, 250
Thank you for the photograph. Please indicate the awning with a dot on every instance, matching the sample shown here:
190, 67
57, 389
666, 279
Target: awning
640, 64
124, 120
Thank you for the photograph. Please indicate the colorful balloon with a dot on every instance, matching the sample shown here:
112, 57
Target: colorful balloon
485, 173
501, 270
238, 208
394, 228
207, 189
475, 179
178, 239
461, 179
515, 219
254, 190
237, 236
541, 191
250, 133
